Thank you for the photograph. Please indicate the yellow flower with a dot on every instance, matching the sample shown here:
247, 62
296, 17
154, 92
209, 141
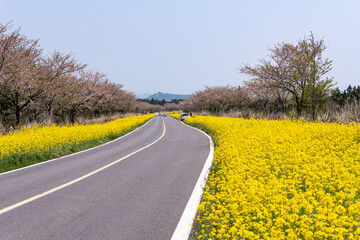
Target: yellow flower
281, 179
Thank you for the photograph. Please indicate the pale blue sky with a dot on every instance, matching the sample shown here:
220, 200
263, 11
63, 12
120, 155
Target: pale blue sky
182, 46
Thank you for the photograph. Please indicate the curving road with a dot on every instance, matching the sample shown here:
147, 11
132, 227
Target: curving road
133, 188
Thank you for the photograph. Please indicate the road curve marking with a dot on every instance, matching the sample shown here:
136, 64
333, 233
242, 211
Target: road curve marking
9, 208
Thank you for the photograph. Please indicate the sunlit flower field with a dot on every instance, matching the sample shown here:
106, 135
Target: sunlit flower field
31, 142
281, 180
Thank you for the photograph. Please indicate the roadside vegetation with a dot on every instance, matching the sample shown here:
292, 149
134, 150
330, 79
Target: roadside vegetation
38, 88
294, 81
38, 144
176, 115
280, 179
42, 89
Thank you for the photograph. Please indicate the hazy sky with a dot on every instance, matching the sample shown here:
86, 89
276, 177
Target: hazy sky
182, 46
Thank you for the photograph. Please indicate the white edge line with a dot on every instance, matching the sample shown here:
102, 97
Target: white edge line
183, 229
89, 149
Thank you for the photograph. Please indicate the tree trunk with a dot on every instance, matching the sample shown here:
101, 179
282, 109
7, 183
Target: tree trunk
17, 116
298, 107
313, 111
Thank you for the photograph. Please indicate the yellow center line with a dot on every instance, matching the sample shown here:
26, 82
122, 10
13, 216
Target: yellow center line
9, 208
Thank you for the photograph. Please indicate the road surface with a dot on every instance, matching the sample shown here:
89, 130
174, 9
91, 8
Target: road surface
97, 194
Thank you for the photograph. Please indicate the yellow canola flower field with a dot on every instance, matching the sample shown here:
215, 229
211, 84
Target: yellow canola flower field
40, 139
281, 179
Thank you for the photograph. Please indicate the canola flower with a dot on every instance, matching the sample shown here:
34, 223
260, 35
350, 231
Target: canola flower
37, 140
281, 179
176, 116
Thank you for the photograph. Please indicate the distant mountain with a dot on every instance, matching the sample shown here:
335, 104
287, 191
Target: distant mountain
167, 96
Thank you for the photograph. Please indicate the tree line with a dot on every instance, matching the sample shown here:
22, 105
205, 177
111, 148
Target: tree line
220, 100
162, 102
347, 96
293, 79
55, 87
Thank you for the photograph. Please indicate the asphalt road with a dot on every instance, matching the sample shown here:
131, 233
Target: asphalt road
140, 197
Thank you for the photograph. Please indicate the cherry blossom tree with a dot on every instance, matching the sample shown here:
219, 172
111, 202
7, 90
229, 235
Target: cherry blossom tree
297, 70
55, 87
58, 72
21, 78
216, 99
